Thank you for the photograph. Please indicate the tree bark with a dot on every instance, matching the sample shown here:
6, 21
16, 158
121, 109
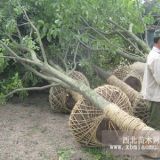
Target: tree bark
131, 57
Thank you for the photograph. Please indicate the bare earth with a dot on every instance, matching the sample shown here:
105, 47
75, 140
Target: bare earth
29, 130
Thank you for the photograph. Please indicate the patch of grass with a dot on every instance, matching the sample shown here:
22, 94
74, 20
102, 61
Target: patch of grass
93, 154
65, 154
99, 154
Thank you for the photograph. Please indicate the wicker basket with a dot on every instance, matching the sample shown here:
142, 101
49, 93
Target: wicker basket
131, 74
134, 79
122, 71
141, 107
87, 122
63, 100
79, 77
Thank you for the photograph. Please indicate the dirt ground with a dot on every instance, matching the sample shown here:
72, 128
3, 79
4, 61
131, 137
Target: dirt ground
29, 130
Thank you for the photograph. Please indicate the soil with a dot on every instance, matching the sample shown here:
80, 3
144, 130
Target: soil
29, 130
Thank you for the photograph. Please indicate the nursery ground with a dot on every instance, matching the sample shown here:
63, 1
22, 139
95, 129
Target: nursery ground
29, 130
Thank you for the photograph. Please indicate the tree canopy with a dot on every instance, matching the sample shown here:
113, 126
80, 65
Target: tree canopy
75, 34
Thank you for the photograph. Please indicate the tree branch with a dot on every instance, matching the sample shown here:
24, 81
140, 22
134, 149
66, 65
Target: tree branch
145, 27
18, 57
74, 59
98, 101
89, 47
130, 27
30, 89
23, 48
118, 51
22, 24
144, 46
39, 37
48, 78
128, 56
130, 42
131, 57
54, 65
8, 57
24, 62
95, 30
19, 33
64, 60
101, 73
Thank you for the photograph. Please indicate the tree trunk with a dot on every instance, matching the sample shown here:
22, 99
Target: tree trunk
35, 64
110, 109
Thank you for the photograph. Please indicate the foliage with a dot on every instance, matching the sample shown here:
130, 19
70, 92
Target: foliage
65, 154
90, 153
100, 154
74, 33
7, 85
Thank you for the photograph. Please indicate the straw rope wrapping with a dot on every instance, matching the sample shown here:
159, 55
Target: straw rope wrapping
63, 100
141, 107
87, 122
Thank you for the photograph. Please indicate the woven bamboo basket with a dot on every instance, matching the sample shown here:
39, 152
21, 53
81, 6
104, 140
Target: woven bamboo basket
139, 67
88, 122
141, 107
63, 100
131, 74
79, 77
134, 79
122, 71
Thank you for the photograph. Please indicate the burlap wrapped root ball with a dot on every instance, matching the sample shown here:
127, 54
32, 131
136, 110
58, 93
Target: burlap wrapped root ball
88, 122
62, 99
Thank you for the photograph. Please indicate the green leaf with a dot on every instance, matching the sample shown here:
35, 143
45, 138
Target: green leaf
11, 26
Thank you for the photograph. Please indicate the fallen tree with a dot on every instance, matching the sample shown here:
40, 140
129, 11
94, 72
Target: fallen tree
141, 107
56, 76
88, 123
64, 33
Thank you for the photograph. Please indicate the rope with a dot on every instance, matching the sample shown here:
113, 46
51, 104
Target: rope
87, 122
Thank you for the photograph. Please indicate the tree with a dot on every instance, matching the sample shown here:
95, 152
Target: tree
56, 76
86, 25
75, 34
